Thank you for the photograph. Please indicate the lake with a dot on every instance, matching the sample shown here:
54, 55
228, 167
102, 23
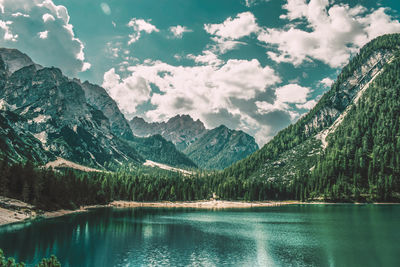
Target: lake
296, 235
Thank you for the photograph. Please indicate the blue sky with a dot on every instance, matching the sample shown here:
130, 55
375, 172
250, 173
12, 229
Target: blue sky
254, 65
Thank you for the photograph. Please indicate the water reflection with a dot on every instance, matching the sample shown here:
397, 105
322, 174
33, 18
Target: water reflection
318, 235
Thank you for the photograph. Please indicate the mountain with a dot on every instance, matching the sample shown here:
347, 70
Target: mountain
220, 147
15, 143
153, 147
210, 149
98, 98
156, 148
14, 60
347, 146
45, 115
181, 130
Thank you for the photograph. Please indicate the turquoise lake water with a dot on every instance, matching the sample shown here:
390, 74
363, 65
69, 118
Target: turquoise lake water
299, 235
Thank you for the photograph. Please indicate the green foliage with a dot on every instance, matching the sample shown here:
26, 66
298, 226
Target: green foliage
296, 134
362, 161
67, 189
10, 262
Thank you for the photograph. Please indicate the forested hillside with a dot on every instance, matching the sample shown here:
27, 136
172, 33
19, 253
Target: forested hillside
362, 159
302, 138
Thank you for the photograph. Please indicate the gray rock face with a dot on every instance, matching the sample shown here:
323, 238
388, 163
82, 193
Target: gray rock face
181, 130
347, 91
53, 109
15, 143
221, 147
211, 149
48, 115
154, 148
98, 98
15, 60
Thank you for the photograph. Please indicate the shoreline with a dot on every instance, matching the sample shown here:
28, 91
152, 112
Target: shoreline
14, 211
202, 204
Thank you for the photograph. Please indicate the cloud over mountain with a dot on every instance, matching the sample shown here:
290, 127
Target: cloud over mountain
44, 30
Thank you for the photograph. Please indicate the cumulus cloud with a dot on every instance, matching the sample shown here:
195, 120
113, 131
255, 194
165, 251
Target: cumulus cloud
292, 93
206, 58
285, 95
43, 35
227, 34
26, 25
200, 91
326, 82
333, 33
308, 105
129, 92
7, 33
48, 17
234, 28
139, 26
179, 30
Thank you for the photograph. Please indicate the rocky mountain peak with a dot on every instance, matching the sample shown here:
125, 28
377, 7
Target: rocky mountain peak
15, 59
213, 149
181, 130
185, 121
98, 98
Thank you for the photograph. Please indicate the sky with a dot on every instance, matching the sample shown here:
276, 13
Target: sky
252, 65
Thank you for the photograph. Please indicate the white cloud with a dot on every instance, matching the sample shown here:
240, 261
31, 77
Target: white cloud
19, 14
292, 93
333, 33
308, 105
129, 92
48, 17
242, 25
25, 21
326, 82
105, 8
226, 34
199, 91
207, 58
266, 107
8, 35
86, 66
139, 26
179, 30
285, 95
43, 35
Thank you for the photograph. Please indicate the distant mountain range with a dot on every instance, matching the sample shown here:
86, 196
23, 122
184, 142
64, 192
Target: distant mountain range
210, 149
45, 115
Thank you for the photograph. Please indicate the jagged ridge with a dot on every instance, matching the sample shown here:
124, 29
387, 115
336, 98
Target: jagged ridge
210, 149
